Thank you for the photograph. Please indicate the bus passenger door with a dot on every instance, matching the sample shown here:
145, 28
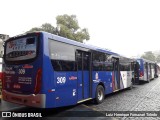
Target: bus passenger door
149, 71
116, 74
84, 80
146, 67
136, 72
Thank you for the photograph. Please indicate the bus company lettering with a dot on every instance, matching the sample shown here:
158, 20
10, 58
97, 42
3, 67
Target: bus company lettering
27, 66
9, 70
16, 86
72, 78
25, 80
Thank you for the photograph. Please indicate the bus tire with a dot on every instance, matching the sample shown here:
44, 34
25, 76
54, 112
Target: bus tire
99, 94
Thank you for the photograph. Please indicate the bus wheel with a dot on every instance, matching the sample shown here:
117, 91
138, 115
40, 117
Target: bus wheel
148, 81
99, 94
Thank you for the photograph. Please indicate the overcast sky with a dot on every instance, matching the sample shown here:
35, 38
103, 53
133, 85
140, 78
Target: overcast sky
129, 27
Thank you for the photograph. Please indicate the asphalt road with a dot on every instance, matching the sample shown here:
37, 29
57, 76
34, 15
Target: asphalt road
143, 97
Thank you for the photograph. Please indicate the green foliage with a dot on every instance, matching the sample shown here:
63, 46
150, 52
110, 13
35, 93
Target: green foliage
48, 28
69, 21
158, 59
67, 26
35, 29
149, 56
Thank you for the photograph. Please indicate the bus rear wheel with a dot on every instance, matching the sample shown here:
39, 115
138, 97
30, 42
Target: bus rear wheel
99, 94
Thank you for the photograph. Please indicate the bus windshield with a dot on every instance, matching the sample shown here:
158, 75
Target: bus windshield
139, 62
20, 52
21, 49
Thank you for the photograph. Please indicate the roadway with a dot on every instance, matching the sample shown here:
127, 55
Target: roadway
143, 97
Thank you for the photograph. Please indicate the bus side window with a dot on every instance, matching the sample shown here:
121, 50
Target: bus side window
108, 66
60, 65
79, 60
98, 61
85, 61
61, 59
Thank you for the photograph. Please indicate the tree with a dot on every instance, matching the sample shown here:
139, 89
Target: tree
35, 29
149, 56
158, 59
47, 27
67, 26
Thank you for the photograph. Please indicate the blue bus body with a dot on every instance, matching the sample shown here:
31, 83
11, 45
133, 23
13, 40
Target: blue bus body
146, 70
47, 71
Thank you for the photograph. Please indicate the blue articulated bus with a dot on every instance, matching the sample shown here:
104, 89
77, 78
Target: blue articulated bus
147, 70
47, 71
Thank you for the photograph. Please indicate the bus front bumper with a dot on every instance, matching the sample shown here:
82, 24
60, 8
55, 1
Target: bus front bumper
27, 100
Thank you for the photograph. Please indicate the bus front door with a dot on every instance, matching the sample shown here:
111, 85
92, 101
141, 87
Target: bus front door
116, 74
84, 80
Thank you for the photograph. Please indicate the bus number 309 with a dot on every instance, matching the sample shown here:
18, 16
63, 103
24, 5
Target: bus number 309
61, 80
21, 71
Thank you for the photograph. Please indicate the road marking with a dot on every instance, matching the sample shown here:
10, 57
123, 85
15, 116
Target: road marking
84, 100
94, 109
